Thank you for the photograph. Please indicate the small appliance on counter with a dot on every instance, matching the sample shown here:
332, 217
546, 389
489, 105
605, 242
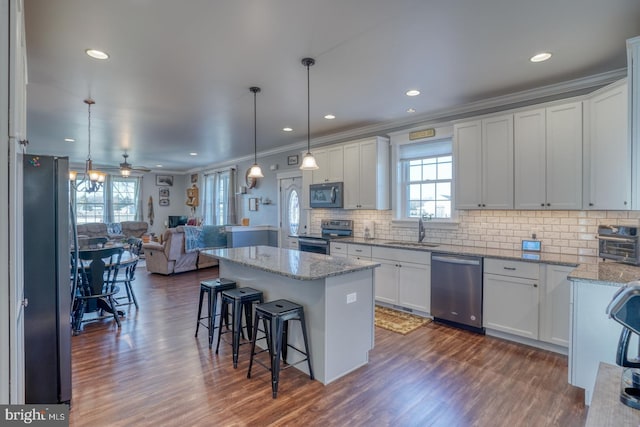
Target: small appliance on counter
619, 243
624, 308
369, 230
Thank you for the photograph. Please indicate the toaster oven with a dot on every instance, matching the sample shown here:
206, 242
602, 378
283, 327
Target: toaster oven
618, 243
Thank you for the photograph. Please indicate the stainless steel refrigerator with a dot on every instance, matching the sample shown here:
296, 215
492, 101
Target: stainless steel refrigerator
47, 325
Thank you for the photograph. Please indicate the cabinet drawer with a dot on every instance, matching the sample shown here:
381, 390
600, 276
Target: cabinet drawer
403, 255
338, 248
527, 270
359, 250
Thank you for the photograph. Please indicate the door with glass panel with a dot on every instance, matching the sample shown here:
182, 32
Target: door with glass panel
292, 219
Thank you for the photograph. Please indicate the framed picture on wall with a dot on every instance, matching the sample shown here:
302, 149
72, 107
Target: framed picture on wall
163, 202
164, 193
292, 160
194, 178
253, 204
166, 180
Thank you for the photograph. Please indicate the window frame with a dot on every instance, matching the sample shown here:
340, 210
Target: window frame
107, 204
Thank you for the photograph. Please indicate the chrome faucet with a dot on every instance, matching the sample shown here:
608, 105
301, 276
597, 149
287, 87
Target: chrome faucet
421, 230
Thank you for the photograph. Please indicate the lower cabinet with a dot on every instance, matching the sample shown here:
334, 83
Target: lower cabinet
403, 278
527, 299
338, 249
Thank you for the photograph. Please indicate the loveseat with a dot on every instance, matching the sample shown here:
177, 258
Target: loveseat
179, 253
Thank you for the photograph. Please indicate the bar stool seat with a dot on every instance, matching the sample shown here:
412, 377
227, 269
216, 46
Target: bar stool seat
240, 299
212, 288
275, 316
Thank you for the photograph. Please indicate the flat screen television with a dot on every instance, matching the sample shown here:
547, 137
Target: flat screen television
175, 221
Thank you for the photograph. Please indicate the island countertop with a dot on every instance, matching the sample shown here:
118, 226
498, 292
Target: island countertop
291, 263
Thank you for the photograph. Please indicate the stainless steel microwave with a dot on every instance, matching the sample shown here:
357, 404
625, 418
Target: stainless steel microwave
326, 195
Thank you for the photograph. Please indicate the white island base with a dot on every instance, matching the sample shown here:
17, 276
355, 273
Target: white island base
341, 333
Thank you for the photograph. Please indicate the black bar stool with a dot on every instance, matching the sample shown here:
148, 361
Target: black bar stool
212, 288
275, 316
240, 298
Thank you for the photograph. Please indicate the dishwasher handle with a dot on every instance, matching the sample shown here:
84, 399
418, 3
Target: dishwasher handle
454, 260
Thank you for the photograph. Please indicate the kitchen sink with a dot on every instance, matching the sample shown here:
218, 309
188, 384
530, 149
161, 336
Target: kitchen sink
415, 244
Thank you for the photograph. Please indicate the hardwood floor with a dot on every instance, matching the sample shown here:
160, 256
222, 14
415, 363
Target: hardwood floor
153, 371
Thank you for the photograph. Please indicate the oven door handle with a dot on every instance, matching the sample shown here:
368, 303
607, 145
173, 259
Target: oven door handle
616, 239
316, 242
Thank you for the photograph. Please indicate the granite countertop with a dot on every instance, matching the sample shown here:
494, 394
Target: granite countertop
291, 263
588, 268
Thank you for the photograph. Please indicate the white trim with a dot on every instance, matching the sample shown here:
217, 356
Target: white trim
289, 174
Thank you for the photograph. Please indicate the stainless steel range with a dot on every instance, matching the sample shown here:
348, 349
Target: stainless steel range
619, 243
330, 229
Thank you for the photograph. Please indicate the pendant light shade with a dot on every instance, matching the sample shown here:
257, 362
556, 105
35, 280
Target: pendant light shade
308, 161
255, 171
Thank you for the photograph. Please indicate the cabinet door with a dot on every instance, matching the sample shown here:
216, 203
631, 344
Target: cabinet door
368, 174
467, 163
497, 162
510, 304
414, 286
609, 160
334, 163
530, 159
352, 176
564, 156
320, 175
338, 249
386, 278
554, 305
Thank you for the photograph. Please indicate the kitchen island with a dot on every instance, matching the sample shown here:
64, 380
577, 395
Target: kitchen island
337, 295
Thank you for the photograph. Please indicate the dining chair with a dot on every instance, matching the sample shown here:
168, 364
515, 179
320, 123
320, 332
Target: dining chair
98, 270
128, 273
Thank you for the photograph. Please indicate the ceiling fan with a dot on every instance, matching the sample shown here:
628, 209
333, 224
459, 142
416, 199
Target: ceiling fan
126, 168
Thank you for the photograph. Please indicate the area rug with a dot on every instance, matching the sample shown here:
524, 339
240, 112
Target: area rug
398, 321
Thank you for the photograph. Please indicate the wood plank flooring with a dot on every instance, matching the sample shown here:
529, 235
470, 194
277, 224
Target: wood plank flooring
153, 372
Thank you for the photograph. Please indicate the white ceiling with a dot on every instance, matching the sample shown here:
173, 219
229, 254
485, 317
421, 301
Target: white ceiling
179, 73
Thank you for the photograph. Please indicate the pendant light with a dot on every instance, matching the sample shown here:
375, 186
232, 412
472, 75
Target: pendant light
93, 179
255, 171
308, 161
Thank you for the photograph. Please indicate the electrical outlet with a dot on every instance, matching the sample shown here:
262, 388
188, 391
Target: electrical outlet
351, 298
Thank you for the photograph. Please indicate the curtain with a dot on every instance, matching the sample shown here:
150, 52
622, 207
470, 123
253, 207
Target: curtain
231, 198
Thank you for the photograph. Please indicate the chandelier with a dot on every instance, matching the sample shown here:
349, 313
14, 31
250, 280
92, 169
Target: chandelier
92, 179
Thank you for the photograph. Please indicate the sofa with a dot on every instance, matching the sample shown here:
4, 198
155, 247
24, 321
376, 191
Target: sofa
181, 247
114, 230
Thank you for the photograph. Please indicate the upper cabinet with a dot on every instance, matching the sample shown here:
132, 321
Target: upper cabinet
366, 179
330, 163
633, 80
548, 157
483, 162
607, 160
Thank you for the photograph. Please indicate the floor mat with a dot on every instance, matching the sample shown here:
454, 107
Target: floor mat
398, 321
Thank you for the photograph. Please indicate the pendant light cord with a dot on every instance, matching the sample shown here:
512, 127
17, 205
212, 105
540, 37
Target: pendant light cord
308, 111
255, 130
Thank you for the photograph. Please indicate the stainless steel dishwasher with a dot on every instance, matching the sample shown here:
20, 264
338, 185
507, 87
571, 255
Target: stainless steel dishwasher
456, 290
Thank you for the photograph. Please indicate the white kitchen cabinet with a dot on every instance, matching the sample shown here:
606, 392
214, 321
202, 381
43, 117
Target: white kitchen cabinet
359, 251
511, 295
366, 177
291, 242
403, 278
338, 249
483, 162
330, 165
607, 162
633, 82
594, 336
554, 304
548, 157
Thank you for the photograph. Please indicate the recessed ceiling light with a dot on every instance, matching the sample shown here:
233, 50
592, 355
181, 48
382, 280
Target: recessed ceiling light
69, 140
97, 54
539, 57
287, 129
411, 110
413, 92
329, 117
158, 166
193, 154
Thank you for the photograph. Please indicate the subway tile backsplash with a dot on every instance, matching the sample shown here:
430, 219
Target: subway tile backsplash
565, 232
